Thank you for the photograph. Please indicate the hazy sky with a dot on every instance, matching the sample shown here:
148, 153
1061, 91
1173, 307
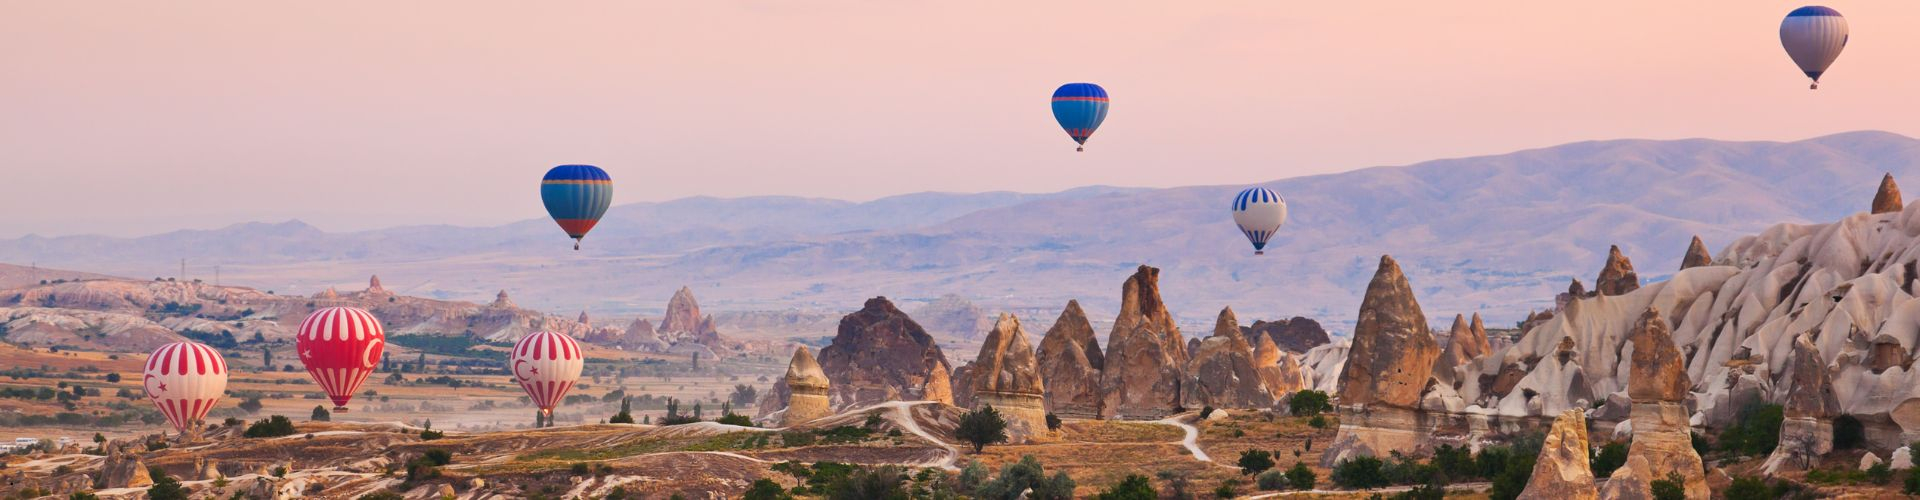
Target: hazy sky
131, 118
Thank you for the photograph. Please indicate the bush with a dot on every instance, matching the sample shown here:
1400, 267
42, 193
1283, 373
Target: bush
766, 489
1134, 487
165, 487
730, 419
1433, 489
1300, 477
1671, 488
1912, 485
1318, 422
1611, 456
1228, 489
1271, 480
438, 456
1755, 431
972, 476
1255, 462
320, 414
877, 482
1359, 473
430, 434
1205, 411
251, 405
1457, 463
274, 426
1309, 402
1880, 473
982, 427
1848, 433
626, 412
1053, 422
1026, 476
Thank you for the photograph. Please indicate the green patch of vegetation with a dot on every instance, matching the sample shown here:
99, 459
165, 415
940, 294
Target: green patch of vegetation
1134, 487
1300, 477
1255, 461
1671, 488
274, 426
982, 427
1610, 457
1029, 477
462, 346
1755, 432
1309, 402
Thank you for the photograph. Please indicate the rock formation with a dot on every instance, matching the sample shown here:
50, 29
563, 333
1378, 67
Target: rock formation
1869, 460
1696, 255
1632, 481
1807, 432
684, 323
1222, 374
1393, 353
1281, 371
1297, 335
807, 386
1387, 370
881, 355
374, 288
1143, 369
1467, 343
1006, 375
500, 301
1658, 385
1887, 199
1563, 471
122, 468
1070, 362
1617, 277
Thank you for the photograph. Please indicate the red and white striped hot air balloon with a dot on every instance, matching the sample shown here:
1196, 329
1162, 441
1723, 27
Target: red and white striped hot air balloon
546, 364
340, 346
185, 379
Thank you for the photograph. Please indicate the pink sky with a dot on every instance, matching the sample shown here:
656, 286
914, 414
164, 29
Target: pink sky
134, 118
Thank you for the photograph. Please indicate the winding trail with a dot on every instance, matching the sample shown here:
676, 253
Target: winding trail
1192, 441
903, 415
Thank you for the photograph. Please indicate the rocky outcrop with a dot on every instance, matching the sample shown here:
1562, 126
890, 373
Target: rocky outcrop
1807, 432
953, 316
1617, 276
122, 469
1467, 343
1070, 362
1006, 375
1658, 386
807, 385
684, 323
1145, 359
1281, 371
1222, 372
1297, 335
1887, 198
881, 355
1696, 255
1393, 353
1563, 472
1633, 481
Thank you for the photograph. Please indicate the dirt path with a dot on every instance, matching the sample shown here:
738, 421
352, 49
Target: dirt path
1451, 488
1192, 441
903, 414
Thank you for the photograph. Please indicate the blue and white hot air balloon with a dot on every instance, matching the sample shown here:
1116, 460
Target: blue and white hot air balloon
1260, 212
1080, 107
576, 196
1813, 36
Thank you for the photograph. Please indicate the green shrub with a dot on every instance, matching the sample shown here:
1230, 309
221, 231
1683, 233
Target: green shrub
1749, 488
1053, 422
1255, 462
1271, 480
1912, 485
887, 482
1029, 477
982, 427
1300, 477
274, 426
1359, 473
972, 476
1671, 488
1318, 422
165, 487
1228, 489
1309, 402
1755, 431
1134, 487
320, 414
1611, 456
766, 489
1880, 473
1457, 463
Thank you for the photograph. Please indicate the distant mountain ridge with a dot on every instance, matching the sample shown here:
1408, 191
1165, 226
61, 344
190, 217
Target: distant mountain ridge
1496, 234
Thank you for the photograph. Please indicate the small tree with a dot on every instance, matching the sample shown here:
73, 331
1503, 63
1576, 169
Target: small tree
1271, 480
1053, 422
1359, 473
766, 489
1300, 477
1671, 488
626, 412
982, 427
1255, 461
320, 414
274, 426
1611, 456
1309, 402
113, 378
165, 487
251, 405
1134, 487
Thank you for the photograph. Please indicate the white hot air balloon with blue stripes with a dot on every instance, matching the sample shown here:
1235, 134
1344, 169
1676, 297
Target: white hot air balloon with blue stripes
1260, 212
1813, 36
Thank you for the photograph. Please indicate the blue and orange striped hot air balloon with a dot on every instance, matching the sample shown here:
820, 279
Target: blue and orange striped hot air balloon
1080, 107
576, 197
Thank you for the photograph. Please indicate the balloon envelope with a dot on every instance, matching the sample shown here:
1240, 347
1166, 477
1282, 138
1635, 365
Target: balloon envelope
1259, 212
546, 364
185, 379
576, 196
1813, 37
340, 346
1080, 107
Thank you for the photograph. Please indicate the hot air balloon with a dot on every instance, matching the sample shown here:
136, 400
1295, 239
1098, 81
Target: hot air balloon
546, 364
1813, 36
340, 346
1080, 107
185, 379
576, 197
1259, 212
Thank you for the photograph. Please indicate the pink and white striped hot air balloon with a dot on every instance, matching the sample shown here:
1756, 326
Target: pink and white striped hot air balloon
340, 346
185, 379
546, 364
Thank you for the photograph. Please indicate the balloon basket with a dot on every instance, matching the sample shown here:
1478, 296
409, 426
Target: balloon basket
339, 409
1082, 149
1814, 86
576, 245
1259, 252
